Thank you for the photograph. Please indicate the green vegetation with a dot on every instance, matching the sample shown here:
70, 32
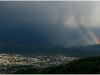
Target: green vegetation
89, 65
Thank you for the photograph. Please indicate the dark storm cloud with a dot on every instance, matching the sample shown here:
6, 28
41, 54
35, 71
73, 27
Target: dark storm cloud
47, 22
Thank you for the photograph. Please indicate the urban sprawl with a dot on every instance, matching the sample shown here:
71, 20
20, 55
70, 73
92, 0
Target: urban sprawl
10, 63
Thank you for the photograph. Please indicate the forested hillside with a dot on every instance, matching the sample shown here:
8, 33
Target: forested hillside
89, 65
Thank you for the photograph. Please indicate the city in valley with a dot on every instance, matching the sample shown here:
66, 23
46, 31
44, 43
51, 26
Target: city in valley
10, 63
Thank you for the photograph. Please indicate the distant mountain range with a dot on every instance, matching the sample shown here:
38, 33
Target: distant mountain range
74, 51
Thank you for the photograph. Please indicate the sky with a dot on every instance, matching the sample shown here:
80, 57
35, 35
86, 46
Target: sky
50, 22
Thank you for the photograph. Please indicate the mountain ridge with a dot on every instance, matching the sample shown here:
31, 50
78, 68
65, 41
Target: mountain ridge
74, 51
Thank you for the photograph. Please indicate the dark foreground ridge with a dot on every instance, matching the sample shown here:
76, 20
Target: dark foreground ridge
89, 65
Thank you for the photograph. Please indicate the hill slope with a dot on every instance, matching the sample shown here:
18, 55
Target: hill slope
82, 66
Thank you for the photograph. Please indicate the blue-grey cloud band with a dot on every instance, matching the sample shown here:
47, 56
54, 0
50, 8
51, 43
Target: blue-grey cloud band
51, 22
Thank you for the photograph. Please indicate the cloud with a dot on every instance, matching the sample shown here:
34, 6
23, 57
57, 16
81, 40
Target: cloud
60, 22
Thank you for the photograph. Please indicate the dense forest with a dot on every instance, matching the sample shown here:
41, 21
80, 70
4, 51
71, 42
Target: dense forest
89, 65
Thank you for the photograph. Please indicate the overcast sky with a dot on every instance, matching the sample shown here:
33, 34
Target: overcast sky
51, 22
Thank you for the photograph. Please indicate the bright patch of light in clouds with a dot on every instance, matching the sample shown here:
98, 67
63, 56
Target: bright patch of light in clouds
71, 22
